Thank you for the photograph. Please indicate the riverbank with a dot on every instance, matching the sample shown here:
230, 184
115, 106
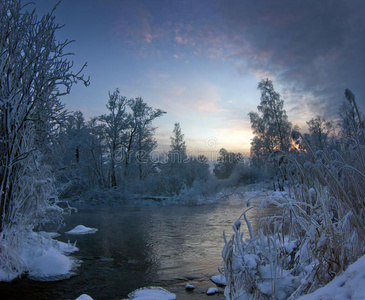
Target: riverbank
118, 198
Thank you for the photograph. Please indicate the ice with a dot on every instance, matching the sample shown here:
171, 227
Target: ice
81, 229
84, 297
212, 291
219, 279
152, 293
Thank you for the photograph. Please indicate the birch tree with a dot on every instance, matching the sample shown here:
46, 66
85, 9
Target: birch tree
271, 128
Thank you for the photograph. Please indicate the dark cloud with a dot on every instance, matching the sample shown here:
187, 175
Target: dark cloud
312, 48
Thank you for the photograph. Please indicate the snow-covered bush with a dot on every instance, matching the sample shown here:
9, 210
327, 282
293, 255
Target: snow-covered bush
319, 230
265, 265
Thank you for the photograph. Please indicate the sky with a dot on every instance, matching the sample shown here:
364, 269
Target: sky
201, 60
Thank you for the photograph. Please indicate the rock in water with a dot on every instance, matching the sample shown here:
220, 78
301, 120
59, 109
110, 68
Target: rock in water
212, 291
189, 287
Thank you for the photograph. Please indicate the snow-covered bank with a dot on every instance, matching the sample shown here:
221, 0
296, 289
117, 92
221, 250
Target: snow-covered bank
192, 196
42, 258
349, 285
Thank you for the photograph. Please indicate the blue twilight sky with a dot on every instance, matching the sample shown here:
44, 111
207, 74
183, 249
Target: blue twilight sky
201, 60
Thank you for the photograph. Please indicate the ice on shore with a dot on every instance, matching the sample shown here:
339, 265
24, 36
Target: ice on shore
81, 229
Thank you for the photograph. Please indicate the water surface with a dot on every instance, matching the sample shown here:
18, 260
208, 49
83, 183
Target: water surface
137, 247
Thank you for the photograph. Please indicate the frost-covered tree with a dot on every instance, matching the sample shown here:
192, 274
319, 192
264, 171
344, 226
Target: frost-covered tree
351, 119
175, 168
98, 149
226, 163
139, 141
319, 132
271, 128
197, 170
178, 146
35, 72
128, 133
72, 156
114, 123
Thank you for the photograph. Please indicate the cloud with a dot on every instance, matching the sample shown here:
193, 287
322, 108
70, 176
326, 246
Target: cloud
178, 56
311, 47
166, 26
313, 50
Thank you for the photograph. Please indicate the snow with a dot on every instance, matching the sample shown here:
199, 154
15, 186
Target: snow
81, 229
48, 234
251, 261
84, 297
219, 279
42, 258
49, 264
291, 246
349, 285
212, 291
152, 293
237, 224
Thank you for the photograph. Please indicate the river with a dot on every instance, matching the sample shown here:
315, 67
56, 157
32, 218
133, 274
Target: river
137, 247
